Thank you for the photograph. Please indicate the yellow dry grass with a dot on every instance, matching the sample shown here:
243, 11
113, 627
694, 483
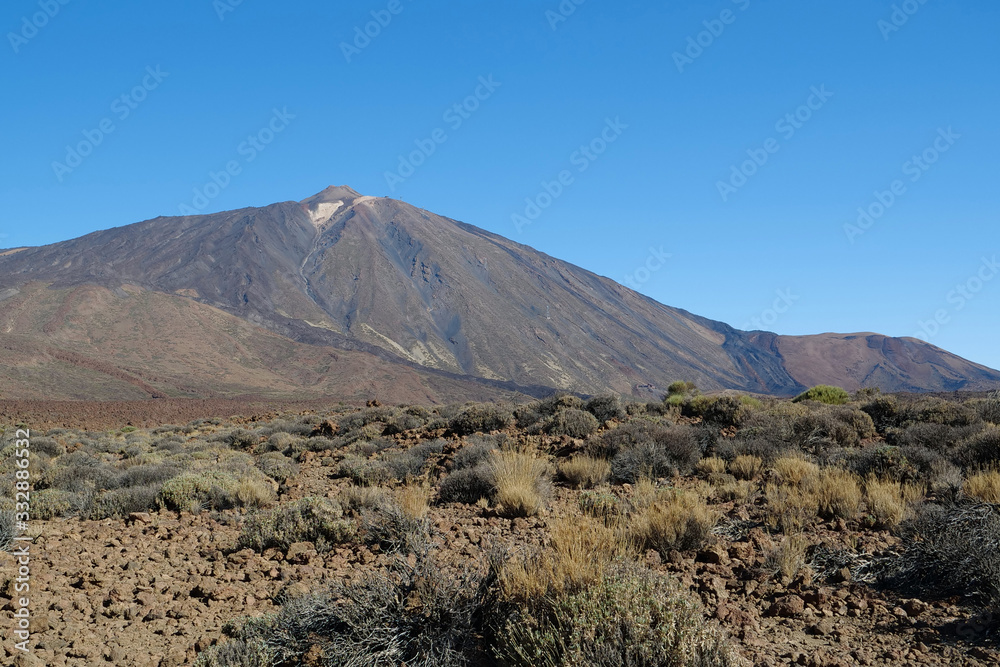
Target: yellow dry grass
984, 486
838, 493
577, 557
711, 465
518, 479
795, 470
585, 472
414, 500
746, 466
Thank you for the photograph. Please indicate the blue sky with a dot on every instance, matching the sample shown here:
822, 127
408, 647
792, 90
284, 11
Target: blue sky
737, 137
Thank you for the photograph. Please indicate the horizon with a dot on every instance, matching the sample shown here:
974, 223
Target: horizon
811, 169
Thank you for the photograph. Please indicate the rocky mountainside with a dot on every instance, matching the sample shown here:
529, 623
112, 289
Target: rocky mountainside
412, 293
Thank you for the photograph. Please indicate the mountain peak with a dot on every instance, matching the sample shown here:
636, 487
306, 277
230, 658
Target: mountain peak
333, 194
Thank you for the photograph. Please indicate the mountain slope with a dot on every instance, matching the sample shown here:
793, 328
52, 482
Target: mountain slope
425, 293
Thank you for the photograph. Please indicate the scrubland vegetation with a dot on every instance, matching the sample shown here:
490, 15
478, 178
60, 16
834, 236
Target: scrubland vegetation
614, 485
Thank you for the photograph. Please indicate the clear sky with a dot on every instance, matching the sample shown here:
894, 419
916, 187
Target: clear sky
739, 137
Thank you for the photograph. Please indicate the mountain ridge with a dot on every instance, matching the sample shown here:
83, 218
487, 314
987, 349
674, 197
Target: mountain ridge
422, 291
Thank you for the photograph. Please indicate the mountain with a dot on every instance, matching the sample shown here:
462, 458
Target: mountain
296, 297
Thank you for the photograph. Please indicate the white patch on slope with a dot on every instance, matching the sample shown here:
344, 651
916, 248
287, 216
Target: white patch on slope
324, 211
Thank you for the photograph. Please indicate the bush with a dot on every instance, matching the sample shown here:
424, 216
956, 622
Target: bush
679, 521
559, 401
584, 472
520, 482
481, 419
393, 529
632, 616
119, 503
654, 450
601, 505
476, 450
884, 462
824, 393
605, 408
277, 466
7, 530
51, 503
884, 411
364, 472
988, 409
316, 520
723, 411
466, 485
419, 616
950, 551
981, 449
572, 422
218, 489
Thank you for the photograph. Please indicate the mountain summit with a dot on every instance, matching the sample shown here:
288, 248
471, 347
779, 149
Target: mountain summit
409, 293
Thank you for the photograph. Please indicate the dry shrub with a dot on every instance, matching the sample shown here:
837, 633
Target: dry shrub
356, 498
578, 555
790, 508
585, 472
520, 482
984, 485
737, 491
677, 520
788, 557
746, 466
795, 470
414, 500
839, 494
254, 492
887, 502
644, 493
711, 465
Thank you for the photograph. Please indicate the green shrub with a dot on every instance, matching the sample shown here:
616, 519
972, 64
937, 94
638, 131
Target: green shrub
559, 401
119, 503
466, 485
316, 520
481, 419
884, 411
600, 504
277, 466
605, 408
51, 503
572, 422
216, 488
656, 451
633, 616
364, 472
824, 393
885, 462
981, 449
